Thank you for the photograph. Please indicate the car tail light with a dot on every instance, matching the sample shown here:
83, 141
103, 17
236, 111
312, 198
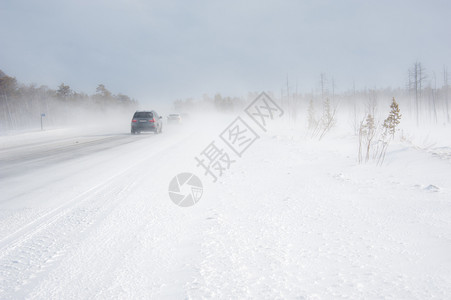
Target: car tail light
152, 120
134, 121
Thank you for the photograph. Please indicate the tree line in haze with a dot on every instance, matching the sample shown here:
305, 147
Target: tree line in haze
21, 106
424, 98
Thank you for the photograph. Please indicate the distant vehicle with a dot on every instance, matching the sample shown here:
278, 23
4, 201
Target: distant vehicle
174, 118
146, 121
185, 116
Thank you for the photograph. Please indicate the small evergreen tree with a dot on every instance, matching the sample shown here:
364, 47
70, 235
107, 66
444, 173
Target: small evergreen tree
369, 131
328, 119
393, 119
101, 91
389, 130
8, 86
63, 91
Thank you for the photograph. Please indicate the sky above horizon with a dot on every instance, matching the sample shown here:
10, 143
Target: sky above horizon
167, 50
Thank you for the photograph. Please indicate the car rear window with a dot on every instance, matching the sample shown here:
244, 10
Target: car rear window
143, 114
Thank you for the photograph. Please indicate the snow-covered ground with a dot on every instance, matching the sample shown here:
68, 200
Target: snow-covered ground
86, 214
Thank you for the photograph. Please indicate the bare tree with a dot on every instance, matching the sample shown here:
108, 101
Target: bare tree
434, 96
445, 91
417, 75
290, 103
372, 102
333, 88
312, 121
367, 132
323, 82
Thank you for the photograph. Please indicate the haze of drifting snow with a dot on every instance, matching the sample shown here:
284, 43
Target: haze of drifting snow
86, 214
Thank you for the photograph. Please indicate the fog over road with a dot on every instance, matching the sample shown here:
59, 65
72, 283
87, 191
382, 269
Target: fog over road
85, 213
20, 159
56, 184
38, 160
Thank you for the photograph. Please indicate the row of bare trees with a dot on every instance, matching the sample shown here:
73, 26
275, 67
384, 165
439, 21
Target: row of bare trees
425, 98
425, 93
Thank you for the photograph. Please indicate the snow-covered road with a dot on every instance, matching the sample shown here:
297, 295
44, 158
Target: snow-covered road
57, 188
88, 216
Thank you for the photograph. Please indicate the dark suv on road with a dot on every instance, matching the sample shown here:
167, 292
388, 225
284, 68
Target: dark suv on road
146, 121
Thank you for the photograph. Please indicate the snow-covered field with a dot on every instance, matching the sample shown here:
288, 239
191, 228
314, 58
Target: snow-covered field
86, 214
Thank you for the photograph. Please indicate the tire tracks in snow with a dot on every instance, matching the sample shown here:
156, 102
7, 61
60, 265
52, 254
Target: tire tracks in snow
13, 162
38, 244
120, 245
11, 241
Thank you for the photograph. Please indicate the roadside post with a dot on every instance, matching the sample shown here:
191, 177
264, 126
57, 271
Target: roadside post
42, 116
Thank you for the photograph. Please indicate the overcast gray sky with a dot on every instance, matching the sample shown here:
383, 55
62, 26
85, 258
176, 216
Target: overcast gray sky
163, 50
